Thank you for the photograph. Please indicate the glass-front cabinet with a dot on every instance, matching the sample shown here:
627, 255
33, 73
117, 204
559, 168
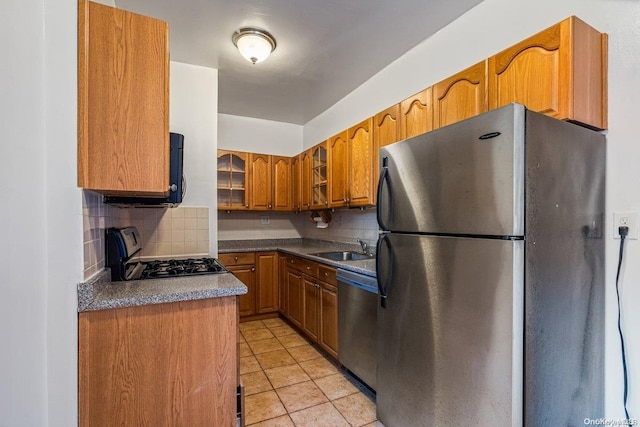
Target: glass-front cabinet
233, 193
319, 175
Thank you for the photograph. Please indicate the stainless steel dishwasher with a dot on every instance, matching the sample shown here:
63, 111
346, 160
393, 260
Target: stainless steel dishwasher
357, 334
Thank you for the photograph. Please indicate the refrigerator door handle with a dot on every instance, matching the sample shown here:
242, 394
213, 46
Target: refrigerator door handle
383, 177
383, 283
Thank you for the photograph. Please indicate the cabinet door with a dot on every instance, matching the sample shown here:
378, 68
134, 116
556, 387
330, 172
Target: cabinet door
311, 307
338, 147
232, 180
266, 282
283, 293
281, 183
296, 183
246, 274
140, 365
295, 289
305, 164
416, 114
460, 96
363, 156
123, 102
387, 126
260, 178
329, 319
558, 72
319, 174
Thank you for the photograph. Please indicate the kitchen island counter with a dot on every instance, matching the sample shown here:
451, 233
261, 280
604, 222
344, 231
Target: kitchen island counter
100, 293
303, 248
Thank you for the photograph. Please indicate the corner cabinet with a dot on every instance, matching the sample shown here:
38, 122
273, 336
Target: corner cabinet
123, 102
560, 72
145, 365
233, 191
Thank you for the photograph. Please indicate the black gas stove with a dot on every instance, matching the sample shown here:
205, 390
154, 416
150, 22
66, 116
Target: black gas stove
181, 267
124, 243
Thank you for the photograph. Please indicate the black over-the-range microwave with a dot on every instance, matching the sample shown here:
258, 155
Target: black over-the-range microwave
177, 182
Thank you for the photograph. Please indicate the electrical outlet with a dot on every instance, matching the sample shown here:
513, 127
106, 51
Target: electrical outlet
265, 220
626, 219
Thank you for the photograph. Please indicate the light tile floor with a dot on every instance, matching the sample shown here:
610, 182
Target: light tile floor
288, 383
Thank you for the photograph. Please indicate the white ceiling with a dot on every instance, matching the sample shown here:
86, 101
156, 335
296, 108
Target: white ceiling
325, 48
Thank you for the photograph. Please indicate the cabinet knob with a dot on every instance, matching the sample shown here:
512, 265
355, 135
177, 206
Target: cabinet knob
246, 206
344, 200
253, 269
326, 274
269, 206
236, 258
308, 268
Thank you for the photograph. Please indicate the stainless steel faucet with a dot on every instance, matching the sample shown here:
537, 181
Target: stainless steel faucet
365, 247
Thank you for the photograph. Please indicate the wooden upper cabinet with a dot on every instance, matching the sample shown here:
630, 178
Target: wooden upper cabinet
281, 183
319, 174
362, 158
338, 150
260, 181
296, 183
233, 192
123, 102
460, 96
305, 165
560, 72
387, 126
416, 114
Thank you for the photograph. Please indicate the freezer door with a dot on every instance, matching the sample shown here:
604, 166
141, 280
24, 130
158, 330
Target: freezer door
450, 339
467, 178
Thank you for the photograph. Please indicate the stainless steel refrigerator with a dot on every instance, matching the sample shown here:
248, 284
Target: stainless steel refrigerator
491, 274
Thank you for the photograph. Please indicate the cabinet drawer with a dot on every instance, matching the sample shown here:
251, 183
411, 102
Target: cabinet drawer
327, 274
237, 258
303, 265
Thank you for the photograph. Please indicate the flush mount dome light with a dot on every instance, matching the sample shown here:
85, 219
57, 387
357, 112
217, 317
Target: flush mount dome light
254, 44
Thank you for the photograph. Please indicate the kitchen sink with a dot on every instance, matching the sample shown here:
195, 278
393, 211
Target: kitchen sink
344, 255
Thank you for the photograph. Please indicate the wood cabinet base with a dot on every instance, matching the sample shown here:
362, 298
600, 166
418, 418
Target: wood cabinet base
164, 364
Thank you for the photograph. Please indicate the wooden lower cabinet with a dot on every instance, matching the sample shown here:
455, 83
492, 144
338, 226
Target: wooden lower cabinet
328, 338
283, 293
247, 275
259, 272
266, 282
162, 364
295, 296
312, 301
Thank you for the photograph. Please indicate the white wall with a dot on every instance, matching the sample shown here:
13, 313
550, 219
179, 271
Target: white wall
40, 251
258, 136
193, 113
487, 29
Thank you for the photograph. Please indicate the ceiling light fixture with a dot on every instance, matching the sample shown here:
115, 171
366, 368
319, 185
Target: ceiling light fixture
254, 44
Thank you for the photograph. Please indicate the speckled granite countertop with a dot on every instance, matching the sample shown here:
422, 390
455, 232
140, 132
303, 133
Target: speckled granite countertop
100, 293
303, 248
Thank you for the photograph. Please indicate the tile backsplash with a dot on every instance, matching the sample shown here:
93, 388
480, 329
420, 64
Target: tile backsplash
181, 231
345, 226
